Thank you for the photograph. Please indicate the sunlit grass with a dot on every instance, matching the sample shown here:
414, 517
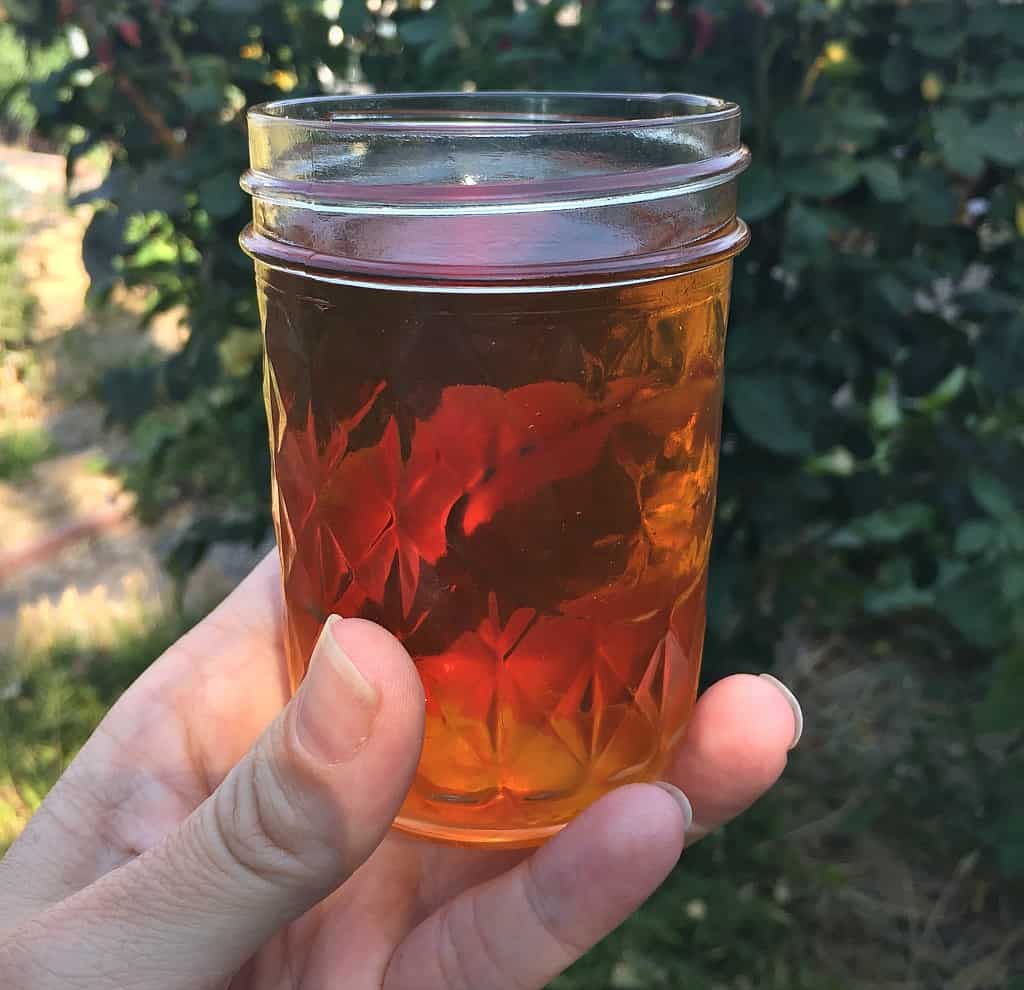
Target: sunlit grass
21, 449
51, 699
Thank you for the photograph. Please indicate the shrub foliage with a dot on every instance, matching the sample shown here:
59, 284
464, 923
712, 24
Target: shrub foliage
872, 460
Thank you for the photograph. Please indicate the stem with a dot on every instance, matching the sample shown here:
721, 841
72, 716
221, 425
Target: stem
150, 115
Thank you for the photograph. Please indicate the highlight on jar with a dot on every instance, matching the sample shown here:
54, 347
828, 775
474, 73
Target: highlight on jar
494, 329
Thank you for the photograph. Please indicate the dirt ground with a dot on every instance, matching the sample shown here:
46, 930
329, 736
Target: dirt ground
73, 559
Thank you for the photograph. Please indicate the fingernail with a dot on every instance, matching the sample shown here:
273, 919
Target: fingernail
798, 713
680, 798
695, 833
336, 703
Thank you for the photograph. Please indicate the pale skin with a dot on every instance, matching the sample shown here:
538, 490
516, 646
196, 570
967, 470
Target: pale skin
214, 834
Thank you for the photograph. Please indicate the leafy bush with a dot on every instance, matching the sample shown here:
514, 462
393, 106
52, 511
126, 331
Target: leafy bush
19, 65
872, 448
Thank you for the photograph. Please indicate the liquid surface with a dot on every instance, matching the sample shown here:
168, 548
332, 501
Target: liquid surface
521, 487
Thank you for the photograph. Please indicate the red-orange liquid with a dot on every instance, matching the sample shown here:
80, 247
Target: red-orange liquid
520, 485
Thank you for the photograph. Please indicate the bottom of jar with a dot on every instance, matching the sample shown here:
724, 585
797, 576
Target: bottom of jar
503, 819
492, 838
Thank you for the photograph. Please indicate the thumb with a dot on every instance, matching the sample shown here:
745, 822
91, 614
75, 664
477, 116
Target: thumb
301, 811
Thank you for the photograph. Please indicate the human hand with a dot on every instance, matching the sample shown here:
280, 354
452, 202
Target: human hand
213, 833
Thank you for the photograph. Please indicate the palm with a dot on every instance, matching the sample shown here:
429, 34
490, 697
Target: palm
373, 913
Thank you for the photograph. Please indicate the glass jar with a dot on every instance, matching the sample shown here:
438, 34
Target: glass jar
494, 328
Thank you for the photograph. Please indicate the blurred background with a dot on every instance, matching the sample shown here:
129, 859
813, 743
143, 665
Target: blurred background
870, 537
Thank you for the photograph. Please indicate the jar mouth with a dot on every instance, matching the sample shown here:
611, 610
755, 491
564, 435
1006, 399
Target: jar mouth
418, 154
496, 112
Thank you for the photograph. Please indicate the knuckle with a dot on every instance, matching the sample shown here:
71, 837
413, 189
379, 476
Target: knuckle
450, 956
489, 951
550, 924
467, 953
258, 826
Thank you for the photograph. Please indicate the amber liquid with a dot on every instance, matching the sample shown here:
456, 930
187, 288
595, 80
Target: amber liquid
519, 485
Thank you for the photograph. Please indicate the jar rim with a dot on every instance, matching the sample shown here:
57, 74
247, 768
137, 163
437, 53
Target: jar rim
377, 112
424, 154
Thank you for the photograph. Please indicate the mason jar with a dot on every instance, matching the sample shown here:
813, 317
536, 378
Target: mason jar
494, 328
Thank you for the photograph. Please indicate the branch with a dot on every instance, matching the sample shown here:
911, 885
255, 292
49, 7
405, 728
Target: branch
94, 32
150, 115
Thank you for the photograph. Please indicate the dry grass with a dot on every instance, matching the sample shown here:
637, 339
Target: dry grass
890, 795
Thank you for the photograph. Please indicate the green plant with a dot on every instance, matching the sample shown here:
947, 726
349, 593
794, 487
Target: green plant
50, 703
20, 449
20, 65
872, 462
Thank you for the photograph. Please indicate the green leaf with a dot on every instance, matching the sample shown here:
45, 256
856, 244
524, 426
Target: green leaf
973, 537
926, 17
807, 234
964, 159
1013, 583
438, 50
884, 526
78, 151
1012, 533
205, 96
898, 73
884, 411
946, 391
938, 44
999, 355
1001, 136
154, 251
974, 604
930, 199
883, 179
1009, 78
220, 195
894, 589
820, 179
957, 140
969, 92
990, 20
21, 449
1010, 848
354, 18
895, 292
991, 494
655, 41
424, 29
43, 94
1001, 710
764, 409
902, 598
857, 119
518, 54
838, 462
761, 193
750, 345
798, 130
